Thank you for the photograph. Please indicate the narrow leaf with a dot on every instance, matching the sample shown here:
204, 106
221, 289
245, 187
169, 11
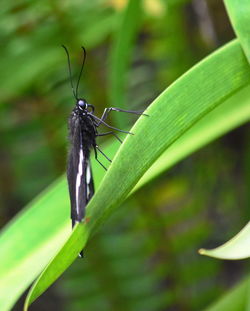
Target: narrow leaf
237, 299
236, 248
171, 115
120, 53
239, 14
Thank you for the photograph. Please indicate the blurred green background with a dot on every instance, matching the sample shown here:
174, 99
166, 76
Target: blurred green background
201, 202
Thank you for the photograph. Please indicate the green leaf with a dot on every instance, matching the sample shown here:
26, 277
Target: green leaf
29, 241
120, 54
46, 242
191, 98
237, 299
221, 120
32, 238
236, 248
239, 14
28, 259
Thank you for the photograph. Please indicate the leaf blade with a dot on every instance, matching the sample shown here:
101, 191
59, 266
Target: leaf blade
108, 197
235, 248
239, 13
119, 57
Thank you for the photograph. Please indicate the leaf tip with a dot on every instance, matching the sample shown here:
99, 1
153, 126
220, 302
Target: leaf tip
202, 251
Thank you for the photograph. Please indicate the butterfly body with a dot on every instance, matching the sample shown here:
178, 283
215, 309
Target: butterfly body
82, 136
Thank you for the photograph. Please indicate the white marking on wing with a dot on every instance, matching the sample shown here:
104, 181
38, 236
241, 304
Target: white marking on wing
78, 178
88, 178
88, 174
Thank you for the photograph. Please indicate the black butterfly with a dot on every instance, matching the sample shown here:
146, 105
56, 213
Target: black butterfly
83, 130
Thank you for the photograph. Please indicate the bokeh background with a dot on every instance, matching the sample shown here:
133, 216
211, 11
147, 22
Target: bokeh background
145, 257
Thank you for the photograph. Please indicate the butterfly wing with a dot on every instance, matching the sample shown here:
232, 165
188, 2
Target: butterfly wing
79, 174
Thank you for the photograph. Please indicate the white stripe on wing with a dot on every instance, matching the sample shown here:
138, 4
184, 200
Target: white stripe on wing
88, 178
78, 179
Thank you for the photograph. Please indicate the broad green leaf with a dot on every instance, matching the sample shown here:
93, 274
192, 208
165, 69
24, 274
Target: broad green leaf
222, 119
32, 238
239, 14
237, 299
120, 55
191, 98
236, 248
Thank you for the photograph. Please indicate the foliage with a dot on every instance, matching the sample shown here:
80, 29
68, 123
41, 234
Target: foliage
145, 256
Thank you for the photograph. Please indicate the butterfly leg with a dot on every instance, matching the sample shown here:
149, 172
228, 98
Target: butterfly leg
108, 110
95, 147
100, 121
110, 133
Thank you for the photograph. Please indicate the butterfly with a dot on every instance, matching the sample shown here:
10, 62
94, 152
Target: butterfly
83, 127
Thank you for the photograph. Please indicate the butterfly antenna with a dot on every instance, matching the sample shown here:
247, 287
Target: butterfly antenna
79, 78
70, 72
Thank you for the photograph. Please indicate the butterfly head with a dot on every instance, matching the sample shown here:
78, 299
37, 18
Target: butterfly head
84, 106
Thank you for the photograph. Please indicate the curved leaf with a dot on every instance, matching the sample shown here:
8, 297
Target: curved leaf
171, 115
222, 119
120, 54
237, 299
44, 246
236, 248
239, 14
